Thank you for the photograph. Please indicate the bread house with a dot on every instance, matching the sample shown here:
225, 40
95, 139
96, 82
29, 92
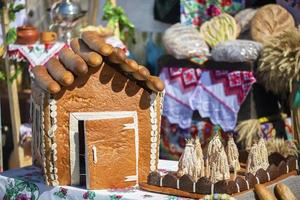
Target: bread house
96, 117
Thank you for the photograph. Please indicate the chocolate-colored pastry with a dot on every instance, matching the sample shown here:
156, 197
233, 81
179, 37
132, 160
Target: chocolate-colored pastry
242, 183
203, 186
251, 179
186, 183
170, 180
232, 187
273, 172
243, 155
262, 175
275, 158
292, 163
154, 178
221, 187
283, 168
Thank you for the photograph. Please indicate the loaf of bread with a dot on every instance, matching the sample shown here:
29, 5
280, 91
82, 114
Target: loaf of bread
283, 192
269, 21
263, 193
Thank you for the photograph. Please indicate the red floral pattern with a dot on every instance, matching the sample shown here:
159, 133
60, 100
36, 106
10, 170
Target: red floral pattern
226, 3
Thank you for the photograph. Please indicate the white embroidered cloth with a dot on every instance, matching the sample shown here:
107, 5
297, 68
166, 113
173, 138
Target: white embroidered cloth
36, 54
216, 94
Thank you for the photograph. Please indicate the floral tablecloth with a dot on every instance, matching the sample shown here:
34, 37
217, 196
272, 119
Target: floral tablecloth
27, 184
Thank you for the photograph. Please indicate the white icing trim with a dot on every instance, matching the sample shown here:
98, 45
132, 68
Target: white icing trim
177, 184
154, 133
43, 139
74, 138
94, 149
51, 141
257, 180
297, 166
238, 187
248, 187
74, 150
194, 187
287, 168
160, 181
212, 188
269, 178
131, 178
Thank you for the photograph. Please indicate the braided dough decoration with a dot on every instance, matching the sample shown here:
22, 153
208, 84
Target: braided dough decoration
219, 29
269, 21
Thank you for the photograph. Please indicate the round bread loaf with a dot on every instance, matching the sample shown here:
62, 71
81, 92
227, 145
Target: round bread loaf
269, 21
219, 29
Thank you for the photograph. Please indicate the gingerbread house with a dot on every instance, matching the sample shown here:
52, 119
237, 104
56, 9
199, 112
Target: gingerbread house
96, 117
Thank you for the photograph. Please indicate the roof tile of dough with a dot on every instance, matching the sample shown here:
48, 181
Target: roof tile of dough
90, 52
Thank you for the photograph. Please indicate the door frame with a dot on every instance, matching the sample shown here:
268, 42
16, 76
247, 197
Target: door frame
74, 137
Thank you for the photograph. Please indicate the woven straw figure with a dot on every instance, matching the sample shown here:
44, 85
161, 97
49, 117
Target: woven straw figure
218, 158
233, 155
188, 161
254, 159
199, 157
284, 147
263, 153
279, 63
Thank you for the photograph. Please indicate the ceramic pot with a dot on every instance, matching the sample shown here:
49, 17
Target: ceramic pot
27, 35
48, 37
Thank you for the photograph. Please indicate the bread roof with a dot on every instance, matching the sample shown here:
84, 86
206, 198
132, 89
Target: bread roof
90, 51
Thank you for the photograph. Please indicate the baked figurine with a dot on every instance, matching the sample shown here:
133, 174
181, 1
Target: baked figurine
233, 155
258, 157
97, 116
191, 161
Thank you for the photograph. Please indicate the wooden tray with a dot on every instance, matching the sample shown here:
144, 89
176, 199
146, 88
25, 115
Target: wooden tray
176, 192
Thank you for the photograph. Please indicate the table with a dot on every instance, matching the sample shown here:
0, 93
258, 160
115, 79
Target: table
27, 183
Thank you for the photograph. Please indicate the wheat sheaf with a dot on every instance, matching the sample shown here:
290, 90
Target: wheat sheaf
280, 61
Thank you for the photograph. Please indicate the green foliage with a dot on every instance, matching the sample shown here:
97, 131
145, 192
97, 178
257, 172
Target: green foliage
11, 36
12, 10
116, 15
2, 75
16, 74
